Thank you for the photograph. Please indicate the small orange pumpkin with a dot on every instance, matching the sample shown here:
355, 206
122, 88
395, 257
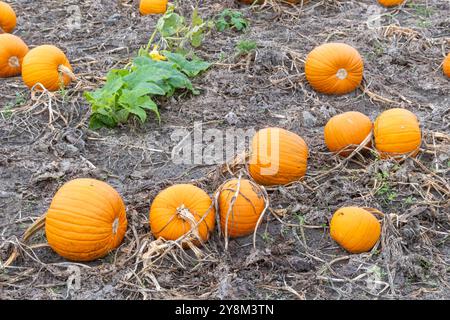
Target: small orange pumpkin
177, 209
8, 18
277, 157
390, 3
153, 7
345, 131
241, 218
397, 133
446, 66
48, 66
86, 220
334, 68
355, 229
12, 52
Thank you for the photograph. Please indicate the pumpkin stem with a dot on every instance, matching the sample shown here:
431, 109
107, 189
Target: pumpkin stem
66, 71
186, 215
115, 225
14, 62
342, 74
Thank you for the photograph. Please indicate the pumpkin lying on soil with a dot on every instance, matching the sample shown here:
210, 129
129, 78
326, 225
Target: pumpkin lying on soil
355, 229
334, 68
47, 65
86, 220
12, 52
345, 131
240, 211
277, 157
397, 133
177, 210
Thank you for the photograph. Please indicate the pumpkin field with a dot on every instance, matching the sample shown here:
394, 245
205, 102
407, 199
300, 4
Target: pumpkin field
234, 149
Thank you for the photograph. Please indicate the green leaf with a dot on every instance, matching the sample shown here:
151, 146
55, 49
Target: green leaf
139, 112
196, 36
148, 88
190, 68
231, 19
122, 115
196, 18
98, 121
170, 24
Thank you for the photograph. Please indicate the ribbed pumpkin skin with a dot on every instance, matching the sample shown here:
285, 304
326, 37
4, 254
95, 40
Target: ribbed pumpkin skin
355, 229
346, 129
334, 68
8, 17
277, 157
446, 66
165, 220
153, 7
41, 65
86, 220
246, 209
12, 52
390, 3
397, 132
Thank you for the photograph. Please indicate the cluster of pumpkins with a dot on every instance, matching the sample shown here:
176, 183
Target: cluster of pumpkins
45, 66
87, 217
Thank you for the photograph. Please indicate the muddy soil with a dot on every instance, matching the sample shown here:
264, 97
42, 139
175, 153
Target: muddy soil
294, 258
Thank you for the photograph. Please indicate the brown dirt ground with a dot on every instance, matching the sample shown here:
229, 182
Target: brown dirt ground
295, 257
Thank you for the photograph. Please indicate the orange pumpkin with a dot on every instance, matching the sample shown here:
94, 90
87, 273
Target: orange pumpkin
241, 218
390, 3
277, 157
397, 133
446, 66
12, 52
334, 68
153, 7
48, 66
7, 18
355, 229
345, 131
177, 209
86, 220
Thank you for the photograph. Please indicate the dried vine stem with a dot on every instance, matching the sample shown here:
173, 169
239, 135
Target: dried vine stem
35, 227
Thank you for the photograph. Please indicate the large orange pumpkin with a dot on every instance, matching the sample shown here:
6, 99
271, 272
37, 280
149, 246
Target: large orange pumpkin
397, 133
277, 157
446, 66
153, 6
12, 52
355, 229
239, 215
86, 220
8, 18
345, 131
48, 66
177, 209
390, 3
334, 68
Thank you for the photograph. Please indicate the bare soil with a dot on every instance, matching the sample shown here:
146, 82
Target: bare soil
295, 258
